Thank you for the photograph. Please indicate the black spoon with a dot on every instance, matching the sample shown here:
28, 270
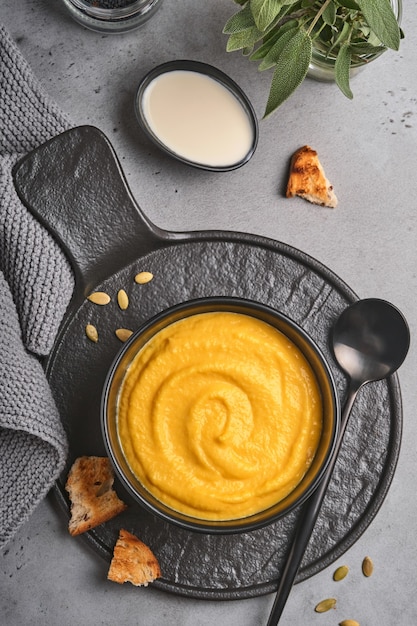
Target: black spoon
370, 341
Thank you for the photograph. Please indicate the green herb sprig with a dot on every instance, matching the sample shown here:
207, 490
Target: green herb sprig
280, 34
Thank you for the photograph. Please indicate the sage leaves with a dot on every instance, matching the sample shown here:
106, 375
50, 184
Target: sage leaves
282, 34
291, 69
381, 19
342, 69
265, 11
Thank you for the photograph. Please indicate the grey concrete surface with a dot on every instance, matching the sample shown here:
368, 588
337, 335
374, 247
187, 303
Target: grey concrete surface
369, 149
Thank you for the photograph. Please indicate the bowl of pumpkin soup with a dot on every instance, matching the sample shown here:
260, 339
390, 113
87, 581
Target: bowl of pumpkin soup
219, 415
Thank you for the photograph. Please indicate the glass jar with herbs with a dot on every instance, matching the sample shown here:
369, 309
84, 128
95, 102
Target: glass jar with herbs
326, 39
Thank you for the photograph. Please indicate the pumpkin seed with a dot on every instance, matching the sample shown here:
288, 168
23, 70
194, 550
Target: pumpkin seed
326, 605
91, 332
143, 277
122, 299
349, 622
367, 566
99, 297
123, 334
341, 573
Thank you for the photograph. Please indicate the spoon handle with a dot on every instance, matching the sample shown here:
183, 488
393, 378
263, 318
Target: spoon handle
308, 519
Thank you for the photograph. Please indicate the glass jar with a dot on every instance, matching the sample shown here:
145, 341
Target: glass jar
111, 16
322, 64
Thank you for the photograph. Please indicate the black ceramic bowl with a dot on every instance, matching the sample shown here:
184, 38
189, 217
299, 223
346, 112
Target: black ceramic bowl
224, 142
326, 384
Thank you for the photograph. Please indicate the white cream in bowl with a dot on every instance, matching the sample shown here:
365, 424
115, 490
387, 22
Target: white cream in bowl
198, 118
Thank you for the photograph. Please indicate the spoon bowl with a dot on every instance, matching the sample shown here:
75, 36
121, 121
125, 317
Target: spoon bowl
370, 340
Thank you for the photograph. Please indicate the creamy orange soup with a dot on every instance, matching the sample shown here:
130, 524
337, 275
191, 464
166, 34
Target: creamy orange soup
219, 416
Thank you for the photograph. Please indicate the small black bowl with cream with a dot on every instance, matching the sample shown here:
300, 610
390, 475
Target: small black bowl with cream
198, 115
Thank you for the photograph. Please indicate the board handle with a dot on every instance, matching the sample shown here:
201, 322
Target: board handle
74, 185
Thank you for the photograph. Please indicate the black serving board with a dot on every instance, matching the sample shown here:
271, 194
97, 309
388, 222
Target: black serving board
75, 186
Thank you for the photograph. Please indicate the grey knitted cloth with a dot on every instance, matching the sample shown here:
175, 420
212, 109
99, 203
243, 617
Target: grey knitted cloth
36, 284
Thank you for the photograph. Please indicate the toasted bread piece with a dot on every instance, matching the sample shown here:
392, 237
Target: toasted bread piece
90, 488
133, 561
308, 180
